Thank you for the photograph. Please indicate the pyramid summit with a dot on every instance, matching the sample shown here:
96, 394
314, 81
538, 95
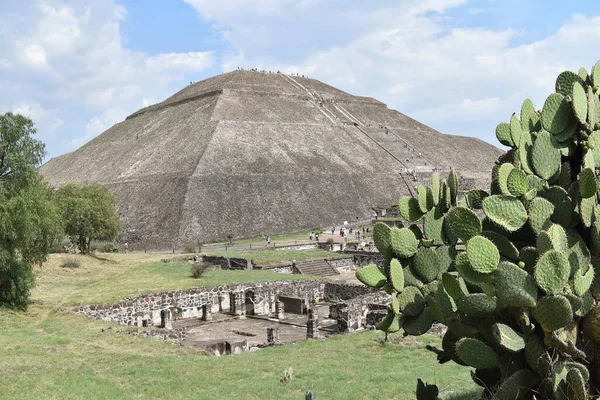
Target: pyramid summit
250, 153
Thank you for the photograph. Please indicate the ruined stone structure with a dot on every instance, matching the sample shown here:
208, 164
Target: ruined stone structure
252, 153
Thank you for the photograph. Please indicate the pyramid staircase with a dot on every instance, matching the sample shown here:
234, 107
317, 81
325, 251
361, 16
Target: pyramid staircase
316, 268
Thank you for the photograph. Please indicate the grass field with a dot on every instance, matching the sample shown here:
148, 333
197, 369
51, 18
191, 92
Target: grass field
50, 354
274, 256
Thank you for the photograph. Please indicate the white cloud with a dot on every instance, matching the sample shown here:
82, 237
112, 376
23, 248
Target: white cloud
409, 55
70, 59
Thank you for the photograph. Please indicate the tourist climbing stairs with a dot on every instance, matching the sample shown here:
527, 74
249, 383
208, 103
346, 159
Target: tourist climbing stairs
316, 268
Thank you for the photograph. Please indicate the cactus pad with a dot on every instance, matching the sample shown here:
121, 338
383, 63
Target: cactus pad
553, 312
515, 129
540, 211
435, 188
477, 304
464, 223
424, 198
582, 281
579, 102
453, 185
565, 81
409, 208
426, 264
503, 134
516, 386
382, 238
576, 385
552, 272
517, 183
503, 172
556, 113
536, 355
545, 157
474, 198
419, 324
372, 276
411, 301
466, 271
482, 254
587, 183
555, 238
476, 353
505, 211
507, 338
433, 226
403, 242
514, 286
453, 285
390, 324
505, 247
396, 275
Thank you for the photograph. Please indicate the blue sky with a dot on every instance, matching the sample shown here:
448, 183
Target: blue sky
76, 67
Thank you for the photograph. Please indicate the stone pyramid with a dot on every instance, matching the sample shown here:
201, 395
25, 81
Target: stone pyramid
250, 153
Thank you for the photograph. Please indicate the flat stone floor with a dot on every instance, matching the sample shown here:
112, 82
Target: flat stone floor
225, 327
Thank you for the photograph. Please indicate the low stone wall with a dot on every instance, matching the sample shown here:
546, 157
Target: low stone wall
249, 298
227, 263
340, 262
335, 292
360, 312
301, 246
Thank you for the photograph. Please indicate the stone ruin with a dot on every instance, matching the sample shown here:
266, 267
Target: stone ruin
236, 318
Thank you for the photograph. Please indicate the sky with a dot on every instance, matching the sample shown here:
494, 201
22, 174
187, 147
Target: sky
77, 67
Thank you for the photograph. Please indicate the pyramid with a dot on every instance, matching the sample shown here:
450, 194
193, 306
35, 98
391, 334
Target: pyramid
250, 153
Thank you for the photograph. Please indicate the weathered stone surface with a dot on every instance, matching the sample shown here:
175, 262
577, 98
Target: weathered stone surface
251, 153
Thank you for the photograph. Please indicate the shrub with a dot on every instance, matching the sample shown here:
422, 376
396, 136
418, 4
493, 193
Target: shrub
330, 241
189, 248
71, 262
198, 269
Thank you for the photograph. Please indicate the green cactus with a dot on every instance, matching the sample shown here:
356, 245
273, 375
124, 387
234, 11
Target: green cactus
433, 226
506, 211
382, 238
516, 386
579, 102
372, 276
587, 183
545, 157
517, 183
512, 273
424, 198
552, 272
482, 254
409, 208
553, 312
537, 357
514, 286
503, 134
390, 324
411, 301
576, 385
403, 241
508, 338
420, 324
476, 353
396, 275
506, 248
477, 304
426, 264
464, 223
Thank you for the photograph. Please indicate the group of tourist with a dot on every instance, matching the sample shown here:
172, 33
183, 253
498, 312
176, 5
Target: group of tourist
264, 71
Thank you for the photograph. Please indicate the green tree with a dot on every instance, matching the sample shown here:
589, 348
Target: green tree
29, 220
89, 212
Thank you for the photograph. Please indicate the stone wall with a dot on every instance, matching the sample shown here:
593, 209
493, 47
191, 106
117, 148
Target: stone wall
252, 298
341, 262
335, 292
360, 312
227, 263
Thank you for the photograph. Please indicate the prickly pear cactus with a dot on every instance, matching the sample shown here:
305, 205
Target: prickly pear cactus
513, 272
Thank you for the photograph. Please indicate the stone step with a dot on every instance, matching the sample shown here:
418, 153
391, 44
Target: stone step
316, 267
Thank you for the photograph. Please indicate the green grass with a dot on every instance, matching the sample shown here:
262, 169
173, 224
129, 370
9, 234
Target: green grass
266, 257
50, 354
57, 355
98, 281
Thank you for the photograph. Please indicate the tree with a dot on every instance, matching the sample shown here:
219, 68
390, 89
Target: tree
29, 220
89, 212
513, 273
